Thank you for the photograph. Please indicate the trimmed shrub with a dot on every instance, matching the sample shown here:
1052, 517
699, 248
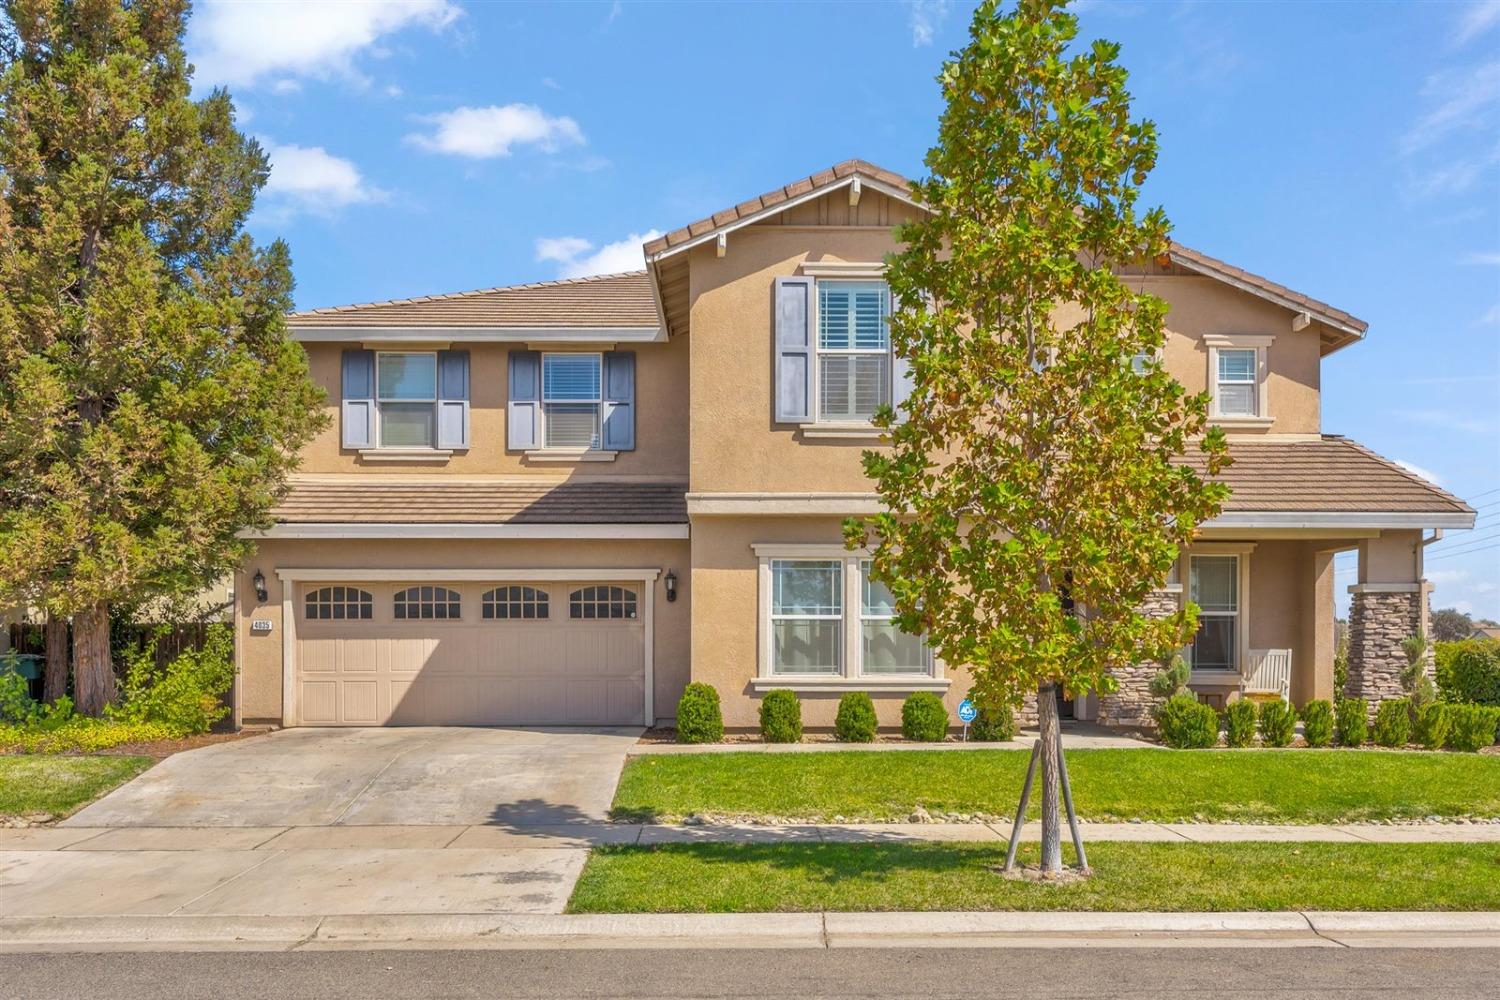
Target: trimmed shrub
1351, 720
1317, 723
1474, 727
781, 717
1393, 722
699, 717
1278, 723
855, 722
924, 718
1187, 724
1469, 671
993, 725
1432, 725
1239, 723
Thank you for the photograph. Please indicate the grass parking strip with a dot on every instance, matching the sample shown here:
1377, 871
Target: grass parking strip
1248, 786
58, 785
765, 878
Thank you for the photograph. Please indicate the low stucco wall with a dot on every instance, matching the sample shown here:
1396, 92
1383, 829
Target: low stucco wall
259, 655
726, 617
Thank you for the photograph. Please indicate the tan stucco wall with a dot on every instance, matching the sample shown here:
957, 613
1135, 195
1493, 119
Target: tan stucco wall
660, 431
260, 654
726, 617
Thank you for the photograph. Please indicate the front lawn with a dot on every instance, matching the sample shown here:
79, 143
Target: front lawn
756, 878
1259, 786
38, 787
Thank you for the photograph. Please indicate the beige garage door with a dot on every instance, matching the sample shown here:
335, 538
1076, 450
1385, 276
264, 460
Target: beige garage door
428, 654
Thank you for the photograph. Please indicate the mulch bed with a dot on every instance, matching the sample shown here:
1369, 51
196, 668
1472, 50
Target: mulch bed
162, 749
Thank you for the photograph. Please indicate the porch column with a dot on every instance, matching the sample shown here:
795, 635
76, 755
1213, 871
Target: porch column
1388, 606
1132, 703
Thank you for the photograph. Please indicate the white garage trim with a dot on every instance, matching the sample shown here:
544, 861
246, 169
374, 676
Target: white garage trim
289, 577
446, 530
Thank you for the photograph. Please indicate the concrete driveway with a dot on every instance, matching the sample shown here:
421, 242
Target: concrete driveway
325, 822
378, 777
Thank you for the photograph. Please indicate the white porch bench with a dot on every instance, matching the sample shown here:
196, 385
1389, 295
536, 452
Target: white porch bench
1269, 671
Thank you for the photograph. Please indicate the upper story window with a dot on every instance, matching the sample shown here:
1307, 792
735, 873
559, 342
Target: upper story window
854, 350
406, 398
571, 393
1237, 378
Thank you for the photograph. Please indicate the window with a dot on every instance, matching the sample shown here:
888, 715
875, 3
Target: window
571, 386
884, 648
601, 602
1236, 390
1213, 585
513, 602
807, 614
406, 399
339, 604
854, 350
427, 603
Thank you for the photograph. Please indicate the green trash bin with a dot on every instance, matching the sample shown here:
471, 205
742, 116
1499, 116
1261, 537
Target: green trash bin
28, 665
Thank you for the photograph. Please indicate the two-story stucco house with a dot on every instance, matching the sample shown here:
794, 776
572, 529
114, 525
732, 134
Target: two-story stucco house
558, 503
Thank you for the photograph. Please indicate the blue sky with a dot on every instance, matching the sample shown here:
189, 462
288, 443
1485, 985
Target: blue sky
1351, 151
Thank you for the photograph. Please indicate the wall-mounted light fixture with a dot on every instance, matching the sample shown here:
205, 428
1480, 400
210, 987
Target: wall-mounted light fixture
671, 582
258, 581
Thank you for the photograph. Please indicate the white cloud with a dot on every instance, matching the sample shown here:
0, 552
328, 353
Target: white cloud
1486, 258
574, 259
1463, 99
238, 43
1415, 469
485, 133
1476, 20
927, 16
1490, 318
311, 179
1443, 420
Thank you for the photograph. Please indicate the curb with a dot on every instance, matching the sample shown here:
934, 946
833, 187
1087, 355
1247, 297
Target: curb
751, 930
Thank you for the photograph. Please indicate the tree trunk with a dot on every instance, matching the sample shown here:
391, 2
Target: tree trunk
55, 674
1046, 711
93, 671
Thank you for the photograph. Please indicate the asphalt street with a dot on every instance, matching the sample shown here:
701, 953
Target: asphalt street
1037, 974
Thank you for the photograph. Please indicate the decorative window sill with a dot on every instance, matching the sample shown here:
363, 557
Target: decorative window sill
405, 454
839, 684
1215, 678
1241, 422
557, 455
842, 432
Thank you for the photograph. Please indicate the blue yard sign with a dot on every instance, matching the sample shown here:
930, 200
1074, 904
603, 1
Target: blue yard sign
967, 713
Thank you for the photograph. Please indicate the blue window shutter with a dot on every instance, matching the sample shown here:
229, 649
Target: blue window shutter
453, 399
793, 333
523, 412
618, 410
357, 399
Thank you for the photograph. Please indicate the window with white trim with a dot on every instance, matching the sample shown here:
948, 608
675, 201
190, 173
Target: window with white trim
853, 350
571, 393
884, 648
807, 616
1214, 585
1237, 388
406, 398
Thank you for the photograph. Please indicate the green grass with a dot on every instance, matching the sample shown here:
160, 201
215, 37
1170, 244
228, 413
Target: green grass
1263, 786
57, 786
758, 878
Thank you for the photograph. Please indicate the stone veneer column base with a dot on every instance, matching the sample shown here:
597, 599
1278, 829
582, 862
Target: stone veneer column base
1379, 622
1132, 703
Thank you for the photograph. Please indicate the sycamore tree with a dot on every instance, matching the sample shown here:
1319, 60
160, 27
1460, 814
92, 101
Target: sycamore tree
1031, 494
151, 404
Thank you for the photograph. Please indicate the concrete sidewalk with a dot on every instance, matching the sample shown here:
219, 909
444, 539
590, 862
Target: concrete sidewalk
767, 930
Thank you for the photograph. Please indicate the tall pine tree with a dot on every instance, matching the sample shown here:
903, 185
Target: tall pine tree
151, 405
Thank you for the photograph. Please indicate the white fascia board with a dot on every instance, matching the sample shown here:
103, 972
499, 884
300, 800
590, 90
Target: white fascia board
788, 504
782, 206
1339, 519
429, 530
479, 334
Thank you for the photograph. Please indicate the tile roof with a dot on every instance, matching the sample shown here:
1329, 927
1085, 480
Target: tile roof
607, 300
1331, 474
428, 502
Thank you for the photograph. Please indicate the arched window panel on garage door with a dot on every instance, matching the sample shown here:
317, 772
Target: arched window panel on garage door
427, 603
514, 602
339, 604
602, 602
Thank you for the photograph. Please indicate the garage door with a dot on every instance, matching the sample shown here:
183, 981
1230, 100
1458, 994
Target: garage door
428, 654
